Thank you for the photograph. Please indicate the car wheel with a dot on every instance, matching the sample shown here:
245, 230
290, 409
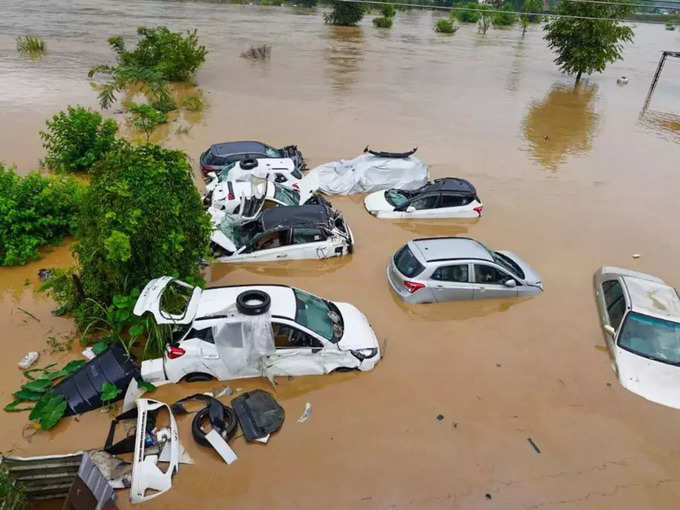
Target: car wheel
197, 377
344, 369
253, 302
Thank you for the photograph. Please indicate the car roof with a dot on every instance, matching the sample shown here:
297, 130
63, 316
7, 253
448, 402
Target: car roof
653, 298
216, 300
452, 184
448, 248
299, 215
226, 148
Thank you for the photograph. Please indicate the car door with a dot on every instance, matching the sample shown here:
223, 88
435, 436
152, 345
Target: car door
451, 282
297, 352
312, 243
423, 206
450, 205
490, 281
273, 245
613, 298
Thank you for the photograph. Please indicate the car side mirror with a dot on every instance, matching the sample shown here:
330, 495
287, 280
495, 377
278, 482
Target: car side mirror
609, 330
510, 283
410, 208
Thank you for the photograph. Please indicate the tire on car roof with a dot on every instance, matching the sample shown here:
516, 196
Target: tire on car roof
248, 164
253, 302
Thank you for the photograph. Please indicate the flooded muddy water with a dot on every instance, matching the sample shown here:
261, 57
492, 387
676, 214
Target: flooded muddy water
571, 179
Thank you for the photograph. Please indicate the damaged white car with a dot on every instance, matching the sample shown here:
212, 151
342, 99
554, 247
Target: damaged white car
281, 170
640, 316
253, 330
280, 233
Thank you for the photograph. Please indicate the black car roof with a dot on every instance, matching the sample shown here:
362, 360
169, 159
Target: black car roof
301, 215
453, 184
227, 148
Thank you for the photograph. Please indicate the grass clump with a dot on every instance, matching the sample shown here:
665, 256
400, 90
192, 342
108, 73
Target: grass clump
262, 52
32, 45
445, 26
382, 22
193, 103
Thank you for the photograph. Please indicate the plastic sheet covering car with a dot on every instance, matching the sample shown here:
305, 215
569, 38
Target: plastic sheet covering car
368, 173
243, 341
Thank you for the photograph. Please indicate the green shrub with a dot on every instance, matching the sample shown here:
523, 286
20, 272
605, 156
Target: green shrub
388, 11
142, 218
35, 210
145, 118
77, 138
506, 18
468, 16
31, 45
382, 22
193, 103
12, 495
445, 26
344, 13
161, 56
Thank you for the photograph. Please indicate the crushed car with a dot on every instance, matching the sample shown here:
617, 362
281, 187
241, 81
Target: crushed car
281, 171
640, 316
280, 233
449, 197
239, 331
441, 269
368, 172
221, 154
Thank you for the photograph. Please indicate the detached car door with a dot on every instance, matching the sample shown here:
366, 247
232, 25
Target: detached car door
490, 282
612, 302
297, 352
452, 283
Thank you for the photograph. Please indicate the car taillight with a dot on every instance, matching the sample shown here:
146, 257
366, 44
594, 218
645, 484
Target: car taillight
175, 352
413, 286
478, 209
205, 169
230, 196
295, 186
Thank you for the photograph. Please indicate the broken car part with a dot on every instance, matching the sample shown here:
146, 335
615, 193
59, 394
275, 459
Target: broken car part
28, 360
82, 389
90, 490
258, 413
382, 154
222, 418
44, 477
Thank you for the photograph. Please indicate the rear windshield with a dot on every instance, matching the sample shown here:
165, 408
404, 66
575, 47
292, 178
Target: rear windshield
396, 198
407, 263
212, 160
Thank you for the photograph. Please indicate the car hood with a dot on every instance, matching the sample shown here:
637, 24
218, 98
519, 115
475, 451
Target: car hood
377, 202
358, 333
653, 380
531, 277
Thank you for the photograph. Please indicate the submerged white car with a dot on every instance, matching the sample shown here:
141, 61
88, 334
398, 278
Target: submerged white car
280, 233
253, 330
443, 198
640, 316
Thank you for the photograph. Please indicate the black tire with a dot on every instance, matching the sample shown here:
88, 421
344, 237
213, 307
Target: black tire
197, 377
345, 369
253, 302
248, 164
200, 418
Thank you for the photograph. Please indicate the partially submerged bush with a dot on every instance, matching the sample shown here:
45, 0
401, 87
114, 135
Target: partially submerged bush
382, 22
31, 45
262, 52
161, 56
344, 13
445, 26
77, 138
35, 210
145, 118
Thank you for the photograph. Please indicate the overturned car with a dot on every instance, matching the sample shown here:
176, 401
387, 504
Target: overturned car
280, 233
222, 154
253, 330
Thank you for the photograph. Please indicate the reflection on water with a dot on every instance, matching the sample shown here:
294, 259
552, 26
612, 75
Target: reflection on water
512, 84
343, 57
216, 272
435, 227
666, 125
563, 123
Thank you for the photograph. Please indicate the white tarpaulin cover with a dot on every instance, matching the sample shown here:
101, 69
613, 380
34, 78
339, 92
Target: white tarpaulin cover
242, 341
368, 173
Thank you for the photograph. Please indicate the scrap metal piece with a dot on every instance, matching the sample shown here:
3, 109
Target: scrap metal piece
306, 413
258, 413
90, 490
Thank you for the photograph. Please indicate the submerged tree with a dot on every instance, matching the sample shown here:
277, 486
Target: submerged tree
344, 13
588, 45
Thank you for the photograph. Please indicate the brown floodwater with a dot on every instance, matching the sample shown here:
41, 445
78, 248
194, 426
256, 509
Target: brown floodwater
571, 178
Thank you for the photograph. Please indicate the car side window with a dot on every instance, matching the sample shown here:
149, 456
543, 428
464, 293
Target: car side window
457, 273
427, 202
615, 302
288, 337
489, 274
454, 201
307, 235
272, 240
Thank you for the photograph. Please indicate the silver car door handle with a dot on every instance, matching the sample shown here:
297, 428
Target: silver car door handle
281, 256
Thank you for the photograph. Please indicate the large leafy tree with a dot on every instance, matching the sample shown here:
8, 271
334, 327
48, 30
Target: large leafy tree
344, 13
141, 218
587, 45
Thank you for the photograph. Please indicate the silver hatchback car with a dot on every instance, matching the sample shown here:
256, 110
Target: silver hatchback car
458, 268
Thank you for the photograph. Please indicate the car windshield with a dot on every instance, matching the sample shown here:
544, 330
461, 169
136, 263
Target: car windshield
507, 264
319, 315
240, 234
271, 152
407, 263
653, 338
286, 196
396, 198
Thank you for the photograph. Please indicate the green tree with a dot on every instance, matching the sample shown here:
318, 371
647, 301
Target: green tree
388, 11
504, 18
344, 13
142, 218
145, 118
468, 16
77, 138
587, 45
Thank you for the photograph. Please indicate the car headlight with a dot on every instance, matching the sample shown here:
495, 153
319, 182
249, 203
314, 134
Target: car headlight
362, 354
